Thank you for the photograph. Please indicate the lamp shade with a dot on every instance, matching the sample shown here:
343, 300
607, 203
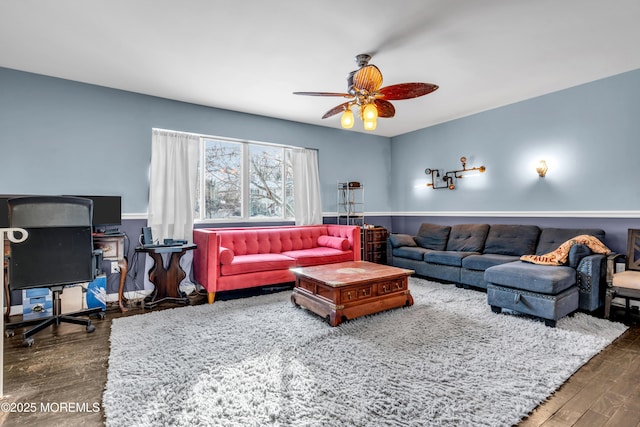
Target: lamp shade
370, 124
370, 112
542, 168
347, 119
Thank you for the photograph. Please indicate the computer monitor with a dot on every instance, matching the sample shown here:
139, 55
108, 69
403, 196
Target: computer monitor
107, 212
4, 213
4, 209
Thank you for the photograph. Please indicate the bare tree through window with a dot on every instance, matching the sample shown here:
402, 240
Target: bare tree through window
230, 169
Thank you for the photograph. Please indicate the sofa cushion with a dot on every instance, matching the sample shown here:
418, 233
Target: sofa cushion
410, 252
398, 240
453, 258
467, 237
516, 240
433, 236
319, 255
333, 242
484, 261
552, 238
543, 279
576, 253
225, 255
257, 262
250, 241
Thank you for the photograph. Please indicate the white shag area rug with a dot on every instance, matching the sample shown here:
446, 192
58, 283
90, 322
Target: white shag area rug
260, 361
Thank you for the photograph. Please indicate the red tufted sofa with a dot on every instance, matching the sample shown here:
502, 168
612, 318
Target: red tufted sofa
237, 258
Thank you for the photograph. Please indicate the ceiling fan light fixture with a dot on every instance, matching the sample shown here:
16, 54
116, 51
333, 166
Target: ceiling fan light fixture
370, 112
364, 87
347, 119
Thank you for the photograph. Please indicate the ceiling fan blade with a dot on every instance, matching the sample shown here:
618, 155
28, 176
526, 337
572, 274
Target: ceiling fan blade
337, 109
406, 90
385, 108
368, 78
344, 95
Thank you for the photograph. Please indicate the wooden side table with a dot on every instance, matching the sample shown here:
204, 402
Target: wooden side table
374, 244
113, 250
166, 279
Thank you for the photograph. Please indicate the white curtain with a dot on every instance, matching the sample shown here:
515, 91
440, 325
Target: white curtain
172, 192
306, 187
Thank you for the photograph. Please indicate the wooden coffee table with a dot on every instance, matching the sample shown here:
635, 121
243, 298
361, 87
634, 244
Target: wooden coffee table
351, 289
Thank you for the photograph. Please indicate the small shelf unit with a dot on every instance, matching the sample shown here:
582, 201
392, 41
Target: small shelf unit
350, 203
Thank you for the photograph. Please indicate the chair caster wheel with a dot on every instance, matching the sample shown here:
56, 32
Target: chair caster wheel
90, 328
101, 315
27, 342
9, 333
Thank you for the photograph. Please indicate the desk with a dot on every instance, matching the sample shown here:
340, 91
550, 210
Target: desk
166, 279
112, 246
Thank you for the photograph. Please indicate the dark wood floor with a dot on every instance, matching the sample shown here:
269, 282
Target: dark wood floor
60, 379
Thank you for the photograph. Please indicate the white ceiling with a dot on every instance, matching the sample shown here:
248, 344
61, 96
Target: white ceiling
251, 55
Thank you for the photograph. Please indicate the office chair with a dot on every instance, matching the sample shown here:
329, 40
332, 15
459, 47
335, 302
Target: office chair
625, 284
58, 252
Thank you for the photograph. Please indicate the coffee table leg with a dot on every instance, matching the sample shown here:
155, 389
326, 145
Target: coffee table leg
409, 300
334, 318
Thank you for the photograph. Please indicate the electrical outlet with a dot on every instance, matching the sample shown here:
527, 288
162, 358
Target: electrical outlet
114, 267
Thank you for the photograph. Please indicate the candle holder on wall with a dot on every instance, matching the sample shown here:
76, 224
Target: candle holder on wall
448, 179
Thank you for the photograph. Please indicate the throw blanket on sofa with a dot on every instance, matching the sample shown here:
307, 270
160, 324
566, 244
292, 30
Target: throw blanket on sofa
560, 255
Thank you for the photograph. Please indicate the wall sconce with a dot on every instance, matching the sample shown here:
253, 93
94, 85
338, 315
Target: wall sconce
542, 168
449, 177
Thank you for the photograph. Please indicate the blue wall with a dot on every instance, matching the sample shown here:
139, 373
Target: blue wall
64, 137
589, 136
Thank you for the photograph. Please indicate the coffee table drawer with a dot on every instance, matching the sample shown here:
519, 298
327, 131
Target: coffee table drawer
392, 286
356, 293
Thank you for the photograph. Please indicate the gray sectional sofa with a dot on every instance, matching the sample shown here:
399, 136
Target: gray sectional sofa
488, 257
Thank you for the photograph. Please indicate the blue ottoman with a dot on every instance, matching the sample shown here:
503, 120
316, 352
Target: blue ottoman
548, 292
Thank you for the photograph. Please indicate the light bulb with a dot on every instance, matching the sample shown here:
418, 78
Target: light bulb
347, 119
370, 112
370, 124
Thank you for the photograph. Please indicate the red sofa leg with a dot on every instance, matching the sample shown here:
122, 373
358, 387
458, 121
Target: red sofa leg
210, 297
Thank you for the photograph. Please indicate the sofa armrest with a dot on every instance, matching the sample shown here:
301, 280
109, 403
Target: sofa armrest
389, 252
591, 280
206, 258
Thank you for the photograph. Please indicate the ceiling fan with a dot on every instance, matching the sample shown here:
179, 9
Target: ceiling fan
365, 91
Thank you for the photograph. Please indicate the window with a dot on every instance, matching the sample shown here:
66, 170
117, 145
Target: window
240, 180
